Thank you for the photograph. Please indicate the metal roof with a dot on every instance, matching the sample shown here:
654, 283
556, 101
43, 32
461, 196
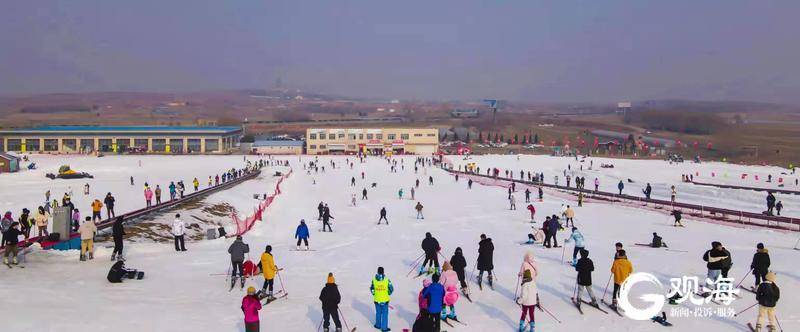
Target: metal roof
278, 143
123, 129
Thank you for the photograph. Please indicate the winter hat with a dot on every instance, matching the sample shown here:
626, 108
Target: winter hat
770, 276
251, 290
618, 244
446, 266
654, 233
14, 224
458, 250
584, 253
331, 279
268, 248
427, 234
760, 246
426, 283
715, 244
380, 270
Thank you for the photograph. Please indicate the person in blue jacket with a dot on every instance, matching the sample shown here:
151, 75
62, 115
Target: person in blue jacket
381, 289
435, 296
301, 234
579, 243
620, 186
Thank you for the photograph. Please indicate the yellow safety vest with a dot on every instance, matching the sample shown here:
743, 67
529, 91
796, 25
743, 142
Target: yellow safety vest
381, 290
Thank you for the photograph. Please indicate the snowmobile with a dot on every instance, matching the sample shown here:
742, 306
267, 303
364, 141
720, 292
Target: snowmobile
64, 172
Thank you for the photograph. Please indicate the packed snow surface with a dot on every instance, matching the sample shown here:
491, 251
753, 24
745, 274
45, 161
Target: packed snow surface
188, 291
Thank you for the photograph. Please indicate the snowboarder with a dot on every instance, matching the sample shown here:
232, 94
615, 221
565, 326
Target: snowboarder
585, 266
431, 248
178, 231
237, 250
767, 295
485, 259
418, 207
621, 269
459, 264
117, 232
528, 299
714, 258
381, 290
760, 263
88, 231
250, 307
383, 216
579, 243
330, 298
268, 270
302, 234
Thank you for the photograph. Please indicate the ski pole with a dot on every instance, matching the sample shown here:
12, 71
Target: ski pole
517, 287
606, 290
320, 325
743, 278
549, 313
563, 250
779, 323
281, 280
344, 320
795, 244
745, 309
472, 274
413, 268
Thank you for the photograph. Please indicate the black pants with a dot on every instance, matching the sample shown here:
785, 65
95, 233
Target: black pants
305, 240
179, 240
117, 247
268, 284
327, 314
437, 321
615, 293
149, 203
158, 199
431, 259
96, 216
547, 238
462, 278
383, 218
110, 210
725, 271
324, 224
569, 220
760, 276
237, 266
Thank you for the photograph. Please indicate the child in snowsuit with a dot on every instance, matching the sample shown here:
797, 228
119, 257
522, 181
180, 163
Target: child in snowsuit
250, 307
449, 280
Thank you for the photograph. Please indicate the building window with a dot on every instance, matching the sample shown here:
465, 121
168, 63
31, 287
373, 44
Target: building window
313, 146
312, 136
322, 146
351, 136
379, 136
431, 135
341, 136
31, 145
104, 144
369, 136
212, 145
2, 145
390, 136
404, 136
14, 144
141, 144
194, 145
176, 145
69, 144
417, 135
159, 145
360, 136
351, 147
87, 144
51, 144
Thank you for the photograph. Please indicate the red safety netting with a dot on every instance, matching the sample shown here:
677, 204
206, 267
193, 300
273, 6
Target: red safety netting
242, 226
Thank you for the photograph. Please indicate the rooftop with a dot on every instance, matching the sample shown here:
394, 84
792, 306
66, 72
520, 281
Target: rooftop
52, 129
278, 143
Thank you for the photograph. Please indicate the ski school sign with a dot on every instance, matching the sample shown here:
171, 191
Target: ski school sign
720, 291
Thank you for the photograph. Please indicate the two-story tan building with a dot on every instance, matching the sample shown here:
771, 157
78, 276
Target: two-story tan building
376, 141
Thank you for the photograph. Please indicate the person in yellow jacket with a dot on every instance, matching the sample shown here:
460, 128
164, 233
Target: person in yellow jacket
381, 289
97, 206
196, 184
88, 231
269, 269
621, 269
569, 214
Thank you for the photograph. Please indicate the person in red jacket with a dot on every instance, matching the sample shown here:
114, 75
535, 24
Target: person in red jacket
533, 211
250, 307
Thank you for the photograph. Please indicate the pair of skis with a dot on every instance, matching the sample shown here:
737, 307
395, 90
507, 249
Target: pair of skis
665, 248
578, 305
15, 265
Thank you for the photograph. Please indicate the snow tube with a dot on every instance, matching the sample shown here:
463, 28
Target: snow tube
249, 268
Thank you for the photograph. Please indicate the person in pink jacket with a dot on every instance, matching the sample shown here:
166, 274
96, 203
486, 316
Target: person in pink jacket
529, 263
449, 280
148, 195
250, 306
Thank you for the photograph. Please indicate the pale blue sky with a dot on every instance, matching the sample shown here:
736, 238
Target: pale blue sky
559, 50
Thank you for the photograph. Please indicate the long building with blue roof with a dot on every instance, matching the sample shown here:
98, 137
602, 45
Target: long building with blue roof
120, 139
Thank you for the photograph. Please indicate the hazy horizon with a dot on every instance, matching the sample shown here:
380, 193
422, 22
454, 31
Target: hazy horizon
542, 51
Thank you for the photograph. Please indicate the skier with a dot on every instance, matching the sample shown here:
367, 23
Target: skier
173, 189
714, 258
301, 234
88, 230
326, 217
321, 210
579, 243
551, 228
430, 180
678, 215
381, 290
596, 184
585, 266
383, 216
158, 195
673, 194
413, 192
148, 196
131, 180
109, 201
621, 269
25, 222
760, 264
10, 241
485, 259
330, 298
532, 209
434, 294
528, 299
459, 264
364, 193
237, 250
469, 184
353, 181
250, 307
178, 231
118, 232
569, 214
512, 201
620, 186
767, 296
541, 194
418, 207
353, 200
96, 208
422, 303
400, 194
657, 241
268, 270
647, 191
770, 202
580, 199
527, 195
431, 248
449, 281
529, 264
